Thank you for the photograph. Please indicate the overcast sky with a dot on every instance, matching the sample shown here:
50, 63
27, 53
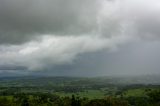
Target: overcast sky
79, 37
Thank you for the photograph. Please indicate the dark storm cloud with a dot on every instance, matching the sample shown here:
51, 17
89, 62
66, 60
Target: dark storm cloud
140, 58
10, 67
20, 20
62, 35
25, 20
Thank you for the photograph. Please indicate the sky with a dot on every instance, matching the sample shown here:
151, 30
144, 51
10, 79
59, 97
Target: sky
79, 37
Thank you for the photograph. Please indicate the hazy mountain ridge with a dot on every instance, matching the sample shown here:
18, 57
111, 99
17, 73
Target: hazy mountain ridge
45, 81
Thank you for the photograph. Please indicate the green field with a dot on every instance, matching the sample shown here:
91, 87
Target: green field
91, 94
44, 91
135, 92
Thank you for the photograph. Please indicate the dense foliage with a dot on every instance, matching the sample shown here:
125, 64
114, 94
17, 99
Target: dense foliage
69, 91
45, 99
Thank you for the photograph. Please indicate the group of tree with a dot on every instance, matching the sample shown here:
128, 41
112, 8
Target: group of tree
46, 99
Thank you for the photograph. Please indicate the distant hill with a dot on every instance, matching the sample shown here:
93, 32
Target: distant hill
45, 81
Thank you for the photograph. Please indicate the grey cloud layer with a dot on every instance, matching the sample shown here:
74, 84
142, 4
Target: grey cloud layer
54, 50
37, 34
23, 19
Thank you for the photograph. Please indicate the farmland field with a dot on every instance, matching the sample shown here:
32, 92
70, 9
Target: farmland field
16, 90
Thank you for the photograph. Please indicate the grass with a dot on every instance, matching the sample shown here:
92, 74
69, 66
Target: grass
7, 97
135, 92
139, 92
91, 94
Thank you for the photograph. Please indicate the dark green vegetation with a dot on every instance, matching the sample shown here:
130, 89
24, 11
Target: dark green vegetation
76, 91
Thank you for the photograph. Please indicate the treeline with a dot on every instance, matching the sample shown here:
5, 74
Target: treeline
65, 88
54, 100
47, 99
